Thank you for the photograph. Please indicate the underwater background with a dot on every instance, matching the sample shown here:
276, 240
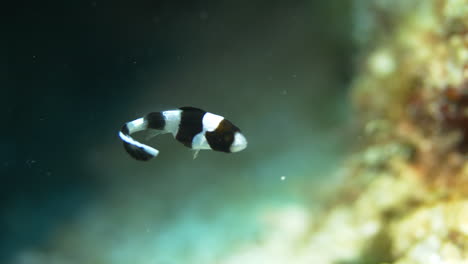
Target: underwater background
355, 114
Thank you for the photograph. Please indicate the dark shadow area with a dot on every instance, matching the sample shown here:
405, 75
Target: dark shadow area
68, 67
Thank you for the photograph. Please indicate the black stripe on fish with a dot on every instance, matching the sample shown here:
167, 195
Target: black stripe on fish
191, 123
222, 137
156, 120
125, 130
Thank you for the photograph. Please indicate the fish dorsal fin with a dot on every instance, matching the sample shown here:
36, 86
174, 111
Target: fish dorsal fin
189, 108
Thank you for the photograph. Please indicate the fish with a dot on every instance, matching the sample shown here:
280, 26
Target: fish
191, 126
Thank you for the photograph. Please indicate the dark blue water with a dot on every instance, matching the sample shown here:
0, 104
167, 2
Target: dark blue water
73, 72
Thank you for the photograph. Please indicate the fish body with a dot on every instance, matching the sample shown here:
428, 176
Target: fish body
193, 127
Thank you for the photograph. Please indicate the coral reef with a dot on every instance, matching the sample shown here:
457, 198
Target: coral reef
410, 181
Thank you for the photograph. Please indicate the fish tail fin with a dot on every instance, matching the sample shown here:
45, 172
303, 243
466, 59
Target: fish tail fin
143, 153
134, 148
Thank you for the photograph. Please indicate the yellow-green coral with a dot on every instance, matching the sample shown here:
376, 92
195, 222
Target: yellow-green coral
411, 94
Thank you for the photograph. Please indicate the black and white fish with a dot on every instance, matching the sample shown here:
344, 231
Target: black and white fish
193, 127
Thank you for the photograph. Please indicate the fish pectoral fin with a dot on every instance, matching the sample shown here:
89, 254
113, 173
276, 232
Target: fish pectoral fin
153, 133
195, 153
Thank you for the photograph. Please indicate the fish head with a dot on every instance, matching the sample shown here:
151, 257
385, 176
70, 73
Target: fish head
239, 143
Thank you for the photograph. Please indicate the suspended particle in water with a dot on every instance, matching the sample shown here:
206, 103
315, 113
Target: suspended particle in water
30, 163
283, 178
